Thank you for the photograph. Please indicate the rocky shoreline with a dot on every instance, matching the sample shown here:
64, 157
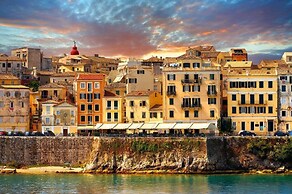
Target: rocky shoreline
69, 170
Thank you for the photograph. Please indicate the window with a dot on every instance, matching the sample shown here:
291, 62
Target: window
89, 119
212, 113
252, 126
212, 89
96, 107
270, 109
72, 121
143, 115
47, 120
187, 114
270, 84
140, 72
82, 96
242, 98
251, 99
89, 97
186, 65
57, 121
116, 116
82, 107
143, 103
57, 112
96, 118
96, 95
170, 76
131, 115
270, 96
196, 65
233, 110
48, 108
72, 113
212, 77
186, 88
89, 107
117, 92
283, 88
82, 118
132, 80
96, 85
195, 88
211, 100
261, 99
153, 115
261, 83
116, 106
131, 103
9, 65
233, 97
3, 64
261, 126
283, 113
108, 116
1, 104
171, 113
171, 101
108, 105
82, 85
89, 87
196, 113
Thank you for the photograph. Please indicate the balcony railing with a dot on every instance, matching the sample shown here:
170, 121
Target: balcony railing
171, 93
184, 105
191, 81
265, 102
211, 93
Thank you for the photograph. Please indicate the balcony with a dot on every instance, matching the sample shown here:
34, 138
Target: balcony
187, 106
265, 102
171, 93
211, 93
191, 81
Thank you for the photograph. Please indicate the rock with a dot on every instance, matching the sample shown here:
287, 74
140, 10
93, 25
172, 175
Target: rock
281, 169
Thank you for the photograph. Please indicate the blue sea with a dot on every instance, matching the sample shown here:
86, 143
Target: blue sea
145, 184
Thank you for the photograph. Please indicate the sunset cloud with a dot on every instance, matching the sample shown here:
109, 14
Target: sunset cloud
137, 28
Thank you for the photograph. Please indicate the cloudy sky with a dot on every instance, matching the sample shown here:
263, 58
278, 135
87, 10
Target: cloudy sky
142, 28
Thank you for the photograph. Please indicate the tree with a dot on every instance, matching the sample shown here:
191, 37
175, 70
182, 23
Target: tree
225, 125
34, 84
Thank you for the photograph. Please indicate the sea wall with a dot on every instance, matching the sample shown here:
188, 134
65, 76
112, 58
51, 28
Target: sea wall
157, 155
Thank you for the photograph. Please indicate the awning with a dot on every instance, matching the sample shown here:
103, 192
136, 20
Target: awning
86, 128
165, 125
108, 126
182, 126
149, 126
123, 126
118, 78
136, 126
203, 126
98, 125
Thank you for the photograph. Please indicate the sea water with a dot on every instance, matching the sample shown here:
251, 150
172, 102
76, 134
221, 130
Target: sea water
144, 184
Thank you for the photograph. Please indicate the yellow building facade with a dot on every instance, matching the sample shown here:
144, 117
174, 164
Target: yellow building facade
252, 99
113, 109
191, 90
139, 104
14, 106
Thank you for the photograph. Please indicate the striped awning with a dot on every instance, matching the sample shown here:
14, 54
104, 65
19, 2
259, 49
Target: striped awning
182, 126
108, 126
135, 126
122, 126
165, 125
149, 126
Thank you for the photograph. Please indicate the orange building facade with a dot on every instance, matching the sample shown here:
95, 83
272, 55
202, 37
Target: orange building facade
89, 91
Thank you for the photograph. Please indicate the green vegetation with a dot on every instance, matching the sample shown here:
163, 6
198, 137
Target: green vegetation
34, 85
266, 150
142, 146
225, 125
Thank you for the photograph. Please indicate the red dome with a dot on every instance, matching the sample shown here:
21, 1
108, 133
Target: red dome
74, 51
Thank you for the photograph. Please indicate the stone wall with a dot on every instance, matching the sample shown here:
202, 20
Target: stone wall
165, 155
24, 151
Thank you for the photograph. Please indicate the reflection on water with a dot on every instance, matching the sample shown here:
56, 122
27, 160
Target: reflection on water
140, 184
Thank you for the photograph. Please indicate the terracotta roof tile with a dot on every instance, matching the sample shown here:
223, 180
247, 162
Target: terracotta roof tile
90, 76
